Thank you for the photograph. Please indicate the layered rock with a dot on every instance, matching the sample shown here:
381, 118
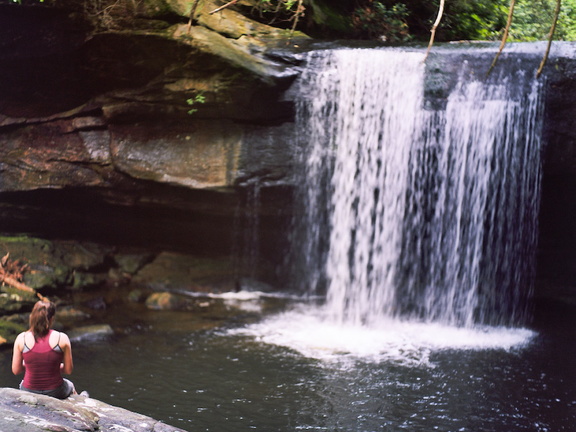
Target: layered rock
95, 129
109, 108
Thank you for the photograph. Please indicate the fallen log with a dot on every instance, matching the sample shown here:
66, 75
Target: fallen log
6, 276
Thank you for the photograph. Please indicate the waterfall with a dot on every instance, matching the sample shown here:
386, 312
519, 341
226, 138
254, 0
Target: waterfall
412, 211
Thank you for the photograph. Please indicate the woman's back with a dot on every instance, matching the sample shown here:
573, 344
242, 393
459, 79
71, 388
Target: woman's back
42, 357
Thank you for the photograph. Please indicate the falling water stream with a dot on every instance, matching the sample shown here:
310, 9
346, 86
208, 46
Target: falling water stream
428, 210
413, 266
419, 219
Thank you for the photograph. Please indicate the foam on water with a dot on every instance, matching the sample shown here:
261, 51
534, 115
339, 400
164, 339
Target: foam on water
308, 331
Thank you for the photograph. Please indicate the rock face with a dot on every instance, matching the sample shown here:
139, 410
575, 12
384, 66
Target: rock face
95, 126
26, 412
109, 109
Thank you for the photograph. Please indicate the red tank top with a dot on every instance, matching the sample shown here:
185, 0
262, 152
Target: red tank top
42, 365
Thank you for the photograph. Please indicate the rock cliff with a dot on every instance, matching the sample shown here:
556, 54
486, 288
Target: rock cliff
107, 108
110, 110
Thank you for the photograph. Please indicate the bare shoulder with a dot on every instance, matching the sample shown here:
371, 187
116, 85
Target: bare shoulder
59, 338
64, 339
20, 341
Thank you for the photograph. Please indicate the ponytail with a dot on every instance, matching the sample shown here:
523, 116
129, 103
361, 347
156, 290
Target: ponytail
40, 317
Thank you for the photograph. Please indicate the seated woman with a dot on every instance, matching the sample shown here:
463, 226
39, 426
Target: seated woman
43, 354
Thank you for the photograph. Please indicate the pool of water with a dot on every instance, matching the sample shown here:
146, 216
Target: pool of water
201, 374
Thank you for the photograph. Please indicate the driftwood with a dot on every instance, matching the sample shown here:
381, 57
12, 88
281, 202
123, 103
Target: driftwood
11, 272
14, 283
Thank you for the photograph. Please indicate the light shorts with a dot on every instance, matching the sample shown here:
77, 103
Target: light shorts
62, 392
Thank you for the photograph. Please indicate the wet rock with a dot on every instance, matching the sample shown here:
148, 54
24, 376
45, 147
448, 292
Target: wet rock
92, 332
55, 264
13, 300
204, 157
136, 296
27, 412
165, 301
97, 303
82, 256
172, 271
82, 280
132, 262
107, 113
70, 313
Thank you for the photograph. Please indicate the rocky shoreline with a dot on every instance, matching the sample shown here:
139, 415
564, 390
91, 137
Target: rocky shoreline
84, 279
26, 412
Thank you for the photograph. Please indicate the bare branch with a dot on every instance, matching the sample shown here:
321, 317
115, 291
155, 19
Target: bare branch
550, 37
230, 3
434, 27
299, 12
192, 13
504, 37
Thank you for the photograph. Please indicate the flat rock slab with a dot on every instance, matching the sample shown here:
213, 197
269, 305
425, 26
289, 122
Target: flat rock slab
22, 411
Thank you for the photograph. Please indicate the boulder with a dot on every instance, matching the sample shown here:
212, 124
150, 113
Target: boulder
55, 263
97, 331
27, 412
180, 272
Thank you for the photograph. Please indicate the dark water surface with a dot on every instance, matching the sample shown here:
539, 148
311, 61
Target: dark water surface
170, 368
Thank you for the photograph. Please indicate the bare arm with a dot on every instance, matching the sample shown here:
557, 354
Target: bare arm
67, 363
17, 360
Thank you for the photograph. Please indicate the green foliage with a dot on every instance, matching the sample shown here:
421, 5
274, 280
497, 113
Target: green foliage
198, 99
486, 19
473, 20
533, 20
375, 20
270, 5
278, 10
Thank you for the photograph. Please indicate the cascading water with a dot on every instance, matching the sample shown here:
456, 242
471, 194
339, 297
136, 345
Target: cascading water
418, 208
360, 122
414, 212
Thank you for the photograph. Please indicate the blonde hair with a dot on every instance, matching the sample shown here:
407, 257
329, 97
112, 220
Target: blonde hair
40, 318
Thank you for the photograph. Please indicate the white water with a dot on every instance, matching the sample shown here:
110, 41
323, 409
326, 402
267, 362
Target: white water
379, 103
427, 214
421, 224
406, 343
482, 225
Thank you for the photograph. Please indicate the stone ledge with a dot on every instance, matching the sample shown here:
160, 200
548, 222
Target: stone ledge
27, 412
